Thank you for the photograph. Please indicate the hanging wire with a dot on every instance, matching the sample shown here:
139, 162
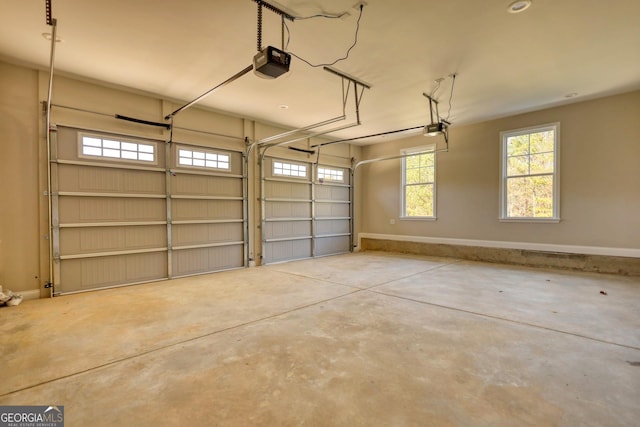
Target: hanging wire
355, 42
320, 15
453, 76
433, 92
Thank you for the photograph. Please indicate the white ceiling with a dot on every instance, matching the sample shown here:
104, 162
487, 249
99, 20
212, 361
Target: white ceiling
506, 63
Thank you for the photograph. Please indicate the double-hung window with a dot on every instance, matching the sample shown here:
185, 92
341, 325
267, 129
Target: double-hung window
419, 182
529, 185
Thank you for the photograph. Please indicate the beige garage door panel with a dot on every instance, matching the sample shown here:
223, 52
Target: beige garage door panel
75, 178
327, 192
332, 226
110, 209
288, 190
200, 185
277, 210
88, 240
92, 273
288, 250
201, 234
332, 210
197, 261
286, 229
331, 245
192, 210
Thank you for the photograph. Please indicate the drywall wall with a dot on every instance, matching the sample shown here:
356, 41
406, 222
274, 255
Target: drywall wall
19, 175
599, 180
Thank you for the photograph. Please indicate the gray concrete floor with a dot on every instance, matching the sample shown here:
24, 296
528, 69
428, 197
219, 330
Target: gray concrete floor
365, 339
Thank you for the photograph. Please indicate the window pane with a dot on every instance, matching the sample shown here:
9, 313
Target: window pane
146, 157
518, 145
542, 163
92, 151
223, 165
427, 159
129, 146
186, 161
110, 153
143, 148
542, 142
198, 162
184, 153
131, 155
94, 142
530, 197
518, 165
419, 200
429, 174
107, 143
412, 161
413, 176
198, 155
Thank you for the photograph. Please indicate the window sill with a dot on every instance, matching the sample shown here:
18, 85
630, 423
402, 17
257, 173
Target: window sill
418, 218
531, 220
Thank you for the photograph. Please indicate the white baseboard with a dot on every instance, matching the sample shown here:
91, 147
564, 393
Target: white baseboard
543, 247
30, 294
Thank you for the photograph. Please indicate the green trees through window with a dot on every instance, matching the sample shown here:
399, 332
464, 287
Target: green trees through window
419, 178
529, 173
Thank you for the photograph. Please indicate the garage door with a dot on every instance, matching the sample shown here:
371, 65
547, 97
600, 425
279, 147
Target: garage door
332, 210
119, 217
305, 210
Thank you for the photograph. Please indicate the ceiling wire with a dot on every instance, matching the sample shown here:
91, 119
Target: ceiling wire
355, 42
433, 92
453, 76
320, 15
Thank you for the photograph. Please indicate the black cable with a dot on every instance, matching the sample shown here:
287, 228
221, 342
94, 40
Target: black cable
337, 60
320, 15
453, 76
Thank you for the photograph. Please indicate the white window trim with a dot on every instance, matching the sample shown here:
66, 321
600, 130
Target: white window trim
120, 139
205, 150
556, 173
406, 153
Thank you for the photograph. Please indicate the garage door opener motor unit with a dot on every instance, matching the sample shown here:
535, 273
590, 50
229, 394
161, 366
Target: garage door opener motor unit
271, 62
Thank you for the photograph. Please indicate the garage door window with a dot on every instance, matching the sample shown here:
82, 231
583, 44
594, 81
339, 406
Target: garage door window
115, 149
203, 159
328, 174
289, 169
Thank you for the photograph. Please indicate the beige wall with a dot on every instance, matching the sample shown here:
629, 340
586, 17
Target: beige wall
19, 175
599, 180
24, 248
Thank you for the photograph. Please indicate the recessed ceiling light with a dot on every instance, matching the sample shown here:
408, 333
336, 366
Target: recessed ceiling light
283, 106
48, 36
519, 6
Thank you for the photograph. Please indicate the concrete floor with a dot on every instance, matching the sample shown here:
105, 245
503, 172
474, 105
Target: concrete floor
365, 339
